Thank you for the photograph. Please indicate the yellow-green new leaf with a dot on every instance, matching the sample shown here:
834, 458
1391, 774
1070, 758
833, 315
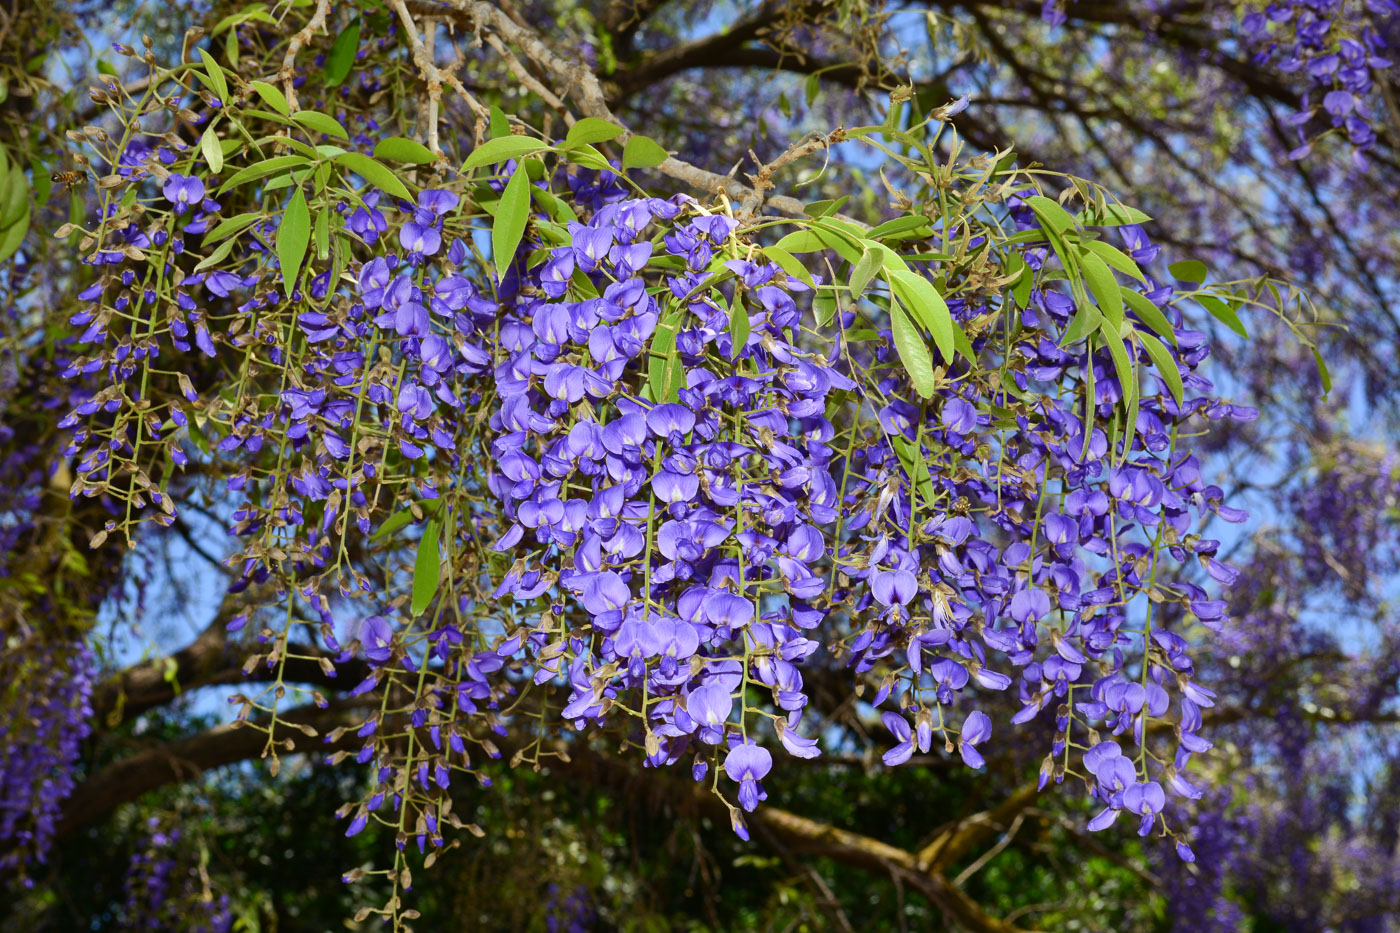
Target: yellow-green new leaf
789, 264
1050, 214
217, 83
738, 326
213, 152
919, 295
273, 97
263, 169
591, 130
503, 149
1114, 257
375, 173
1104, 286
1165, 363
320, 123
641, 152
864, 272
1223, 313
1150, 314
400, 149
913, 351
13, 235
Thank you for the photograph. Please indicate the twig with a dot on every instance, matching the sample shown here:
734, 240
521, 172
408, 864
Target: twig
433, 76
991, 853
317, 23
522, 74
763, 181
577, 77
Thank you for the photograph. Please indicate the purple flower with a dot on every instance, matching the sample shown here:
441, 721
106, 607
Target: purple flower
710, 707
183, 191
420, 239
977, 728
376, 634
748, 764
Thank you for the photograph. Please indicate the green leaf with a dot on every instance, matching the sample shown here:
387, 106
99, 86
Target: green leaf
43, 181
14, 199
905, 224
1114, 257
1021, 279
1165, 363
1050, 214
824, 208
554, 206
375, 173
1115, 215
217, 82
585, 155
911, 457
323, 235
256, 11
1322, 372
342, 55
263, 169
817, 239
928, 306
641, 152
824, 306
400, 520
664, 357
1122, 365
399, 149
738, 325
292, 236
1223, 313
789, 264
502, 149
1150, 314
273, 97
1086, 321
864, 271
213, 153
912, 350
512, 215
13, 235
1188, 270
591, 130
219, 254
320, 123
500, 126
1105, 288
427, 568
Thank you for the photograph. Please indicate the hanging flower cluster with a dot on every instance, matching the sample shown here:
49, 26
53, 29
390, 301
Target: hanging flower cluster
550, 456
168, 888
45, 705
1338, 45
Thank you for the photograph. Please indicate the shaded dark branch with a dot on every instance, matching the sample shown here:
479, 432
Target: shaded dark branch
631, 81
187, 759
210, 660
623, 18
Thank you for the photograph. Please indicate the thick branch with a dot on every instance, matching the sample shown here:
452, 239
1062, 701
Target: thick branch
572, 77
210, 660
127, 779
